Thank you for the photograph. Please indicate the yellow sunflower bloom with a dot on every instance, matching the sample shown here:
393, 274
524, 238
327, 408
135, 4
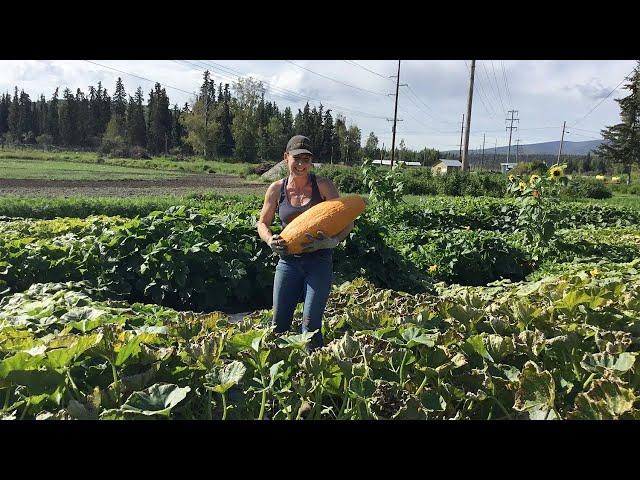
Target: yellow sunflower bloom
534, 179
433, 268
522, 186
594, 272
555, 171
511, 178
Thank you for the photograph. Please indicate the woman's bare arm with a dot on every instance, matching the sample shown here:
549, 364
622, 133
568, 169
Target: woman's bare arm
268, 212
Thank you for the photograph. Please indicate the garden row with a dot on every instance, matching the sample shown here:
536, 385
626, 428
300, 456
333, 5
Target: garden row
565, 347
421, 181
196, 259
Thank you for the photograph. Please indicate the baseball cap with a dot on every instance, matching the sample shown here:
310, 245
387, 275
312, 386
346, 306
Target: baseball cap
299, 144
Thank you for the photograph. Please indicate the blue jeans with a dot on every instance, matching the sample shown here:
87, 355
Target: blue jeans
306, 278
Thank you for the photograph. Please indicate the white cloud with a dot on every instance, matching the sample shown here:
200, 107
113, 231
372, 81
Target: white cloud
545, 93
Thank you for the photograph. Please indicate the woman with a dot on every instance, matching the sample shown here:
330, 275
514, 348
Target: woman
306, 277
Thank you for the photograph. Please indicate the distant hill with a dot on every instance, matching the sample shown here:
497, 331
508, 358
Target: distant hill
549, 148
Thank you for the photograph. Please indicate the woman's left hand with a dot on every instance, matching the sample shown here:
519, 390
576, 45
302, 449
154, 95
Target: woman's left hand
320, 242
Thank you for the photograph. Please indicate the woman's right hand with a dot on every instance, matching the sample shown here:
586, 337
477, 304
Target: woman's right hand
278, 244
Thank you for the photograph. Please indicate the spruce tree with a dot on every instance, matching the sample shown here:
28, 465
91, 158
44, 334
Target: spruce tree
328, 133
159, 121
13, 118
340, 153
287, 121
119, 108
52, 118
371, 146
136, 126
225, 118
200, 124
26, 122
5, 101
177, 130
67, 119
83, 118
622, 141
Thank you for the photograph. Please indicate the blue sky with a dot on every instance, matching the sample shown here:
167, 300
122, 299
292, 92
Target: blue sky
545, 93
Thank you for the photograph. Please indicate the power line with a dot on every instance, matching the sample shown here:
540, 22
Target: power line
351, 62
492, 89
430, 109
306, 97
138, 76
296, 94
495, 78
506, 84
600, 102
335, 80
481, 94
345, 108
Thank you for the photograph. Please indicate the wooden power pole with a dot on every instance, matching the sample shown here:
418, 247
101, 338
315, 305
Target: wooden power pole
561, 141
461, 132
465, 156
395, 118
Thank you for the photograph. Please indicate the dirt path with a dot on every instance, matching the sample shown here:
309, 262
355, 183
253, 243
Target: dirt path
129, 188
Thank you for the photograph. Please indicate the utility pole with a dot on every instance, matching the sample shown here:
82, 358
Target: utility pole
517, 149
465, 159
561, 141
461, 131
395, 117
482, 159
510, 128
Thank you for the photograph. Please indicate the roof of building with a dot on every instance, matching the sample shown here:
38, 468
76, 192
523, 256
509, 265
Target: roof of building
388, 162
450, 163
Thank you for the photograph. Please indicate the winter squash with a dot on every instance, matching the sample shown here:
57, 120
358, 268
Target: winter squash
329, 217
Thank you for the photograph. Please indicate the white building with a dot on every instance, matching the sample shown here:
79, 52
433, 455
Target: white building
443, 166
388, 162
505, 167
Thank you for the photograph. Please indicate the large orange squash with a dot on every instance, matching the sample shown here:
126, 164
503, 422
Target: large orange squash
330, 217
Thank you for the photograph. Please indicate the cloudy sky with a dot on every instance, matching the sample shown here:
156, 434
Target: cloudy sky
544, 93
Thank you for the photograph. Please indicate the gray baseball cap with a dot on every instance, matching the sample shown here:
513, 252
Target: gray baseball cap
299, 144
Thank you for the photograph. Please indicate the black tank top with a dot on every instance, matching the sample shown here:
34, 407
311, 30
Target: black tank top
288, 212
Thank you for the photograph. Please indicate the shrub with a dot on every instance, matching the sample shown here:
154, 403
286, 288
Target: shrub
139, 153
581, 187
537, 167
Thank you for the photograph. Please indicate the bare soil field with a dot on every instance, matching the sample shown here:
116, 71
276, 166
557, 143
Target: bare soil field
129, 188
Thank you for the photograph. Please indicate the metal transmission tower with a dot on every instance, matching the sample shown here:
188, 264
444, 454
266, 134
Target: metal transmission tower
517, 149
395, 114
511, 128
465, 156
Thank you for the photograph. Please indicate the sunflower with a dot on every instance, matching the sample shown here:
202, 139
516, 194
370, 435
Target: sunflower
512, 178
522, 186
534, 179
594, 272
555, 172
433, 268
